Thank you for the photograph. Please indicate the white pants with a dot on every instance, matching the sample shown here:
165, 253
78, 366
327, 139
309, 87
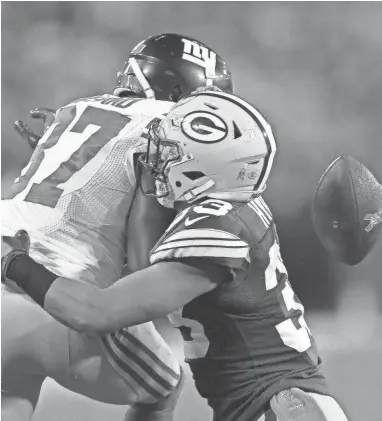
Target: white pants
35, 344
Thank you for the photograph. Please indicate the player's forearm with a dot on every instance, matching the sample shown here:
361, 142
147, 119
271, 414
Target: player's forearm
91, 310
140, 297
75, 304
151, 293
147, 222
137, 298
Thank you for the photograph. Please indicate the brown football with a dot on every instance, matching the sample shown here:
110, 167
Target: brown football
347, 210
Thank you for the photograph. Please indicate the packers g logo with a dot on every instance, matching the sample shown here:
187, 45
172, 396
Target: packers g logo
204, 127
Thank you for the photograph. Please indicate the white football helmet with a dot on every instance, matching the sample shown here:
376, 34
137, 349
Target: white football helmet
210, 144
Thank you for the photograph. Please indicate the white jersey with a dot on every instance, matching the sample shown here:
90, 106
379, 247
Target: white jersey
75, 194
74, 198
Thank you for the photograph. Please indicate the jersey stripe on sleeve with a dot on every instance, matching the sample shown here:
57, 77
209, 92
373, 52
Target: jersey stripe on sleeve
201, 243
262, 210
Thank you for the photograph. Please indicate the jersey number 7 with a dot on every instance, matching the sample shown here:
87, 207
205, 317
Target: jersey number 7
94, 128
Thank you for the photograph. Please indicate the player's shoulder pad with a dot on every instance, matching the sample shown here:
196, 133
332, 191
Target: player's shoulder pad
209, 230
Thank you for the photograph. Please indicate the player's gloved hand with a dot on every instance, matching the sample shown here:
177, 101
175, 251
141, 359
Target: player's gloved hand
46, 114
27, 134
12, 246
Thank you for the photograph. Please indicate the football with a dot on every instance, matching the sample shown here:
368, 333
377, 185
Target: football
347, 210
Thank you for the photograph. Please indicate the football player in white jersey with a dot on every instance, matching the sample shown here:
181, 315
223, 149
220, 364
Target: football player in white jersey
217, 269
79, 201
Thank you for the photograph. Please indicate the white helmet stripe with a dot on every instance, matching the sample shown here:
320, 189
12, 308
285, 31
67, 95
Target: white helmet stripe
141, 78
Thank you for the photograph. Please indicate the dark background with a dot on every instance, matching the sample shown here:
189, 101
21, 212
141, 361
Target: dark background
314, 69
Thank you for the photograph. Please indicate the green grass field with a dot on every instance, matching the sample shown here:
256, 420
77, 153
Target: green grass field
353, 367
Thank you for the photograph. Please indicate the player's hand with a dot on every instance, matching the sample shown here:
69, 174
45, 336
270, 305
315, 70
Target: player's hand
29, 135
19, 244
20, 241
46, 114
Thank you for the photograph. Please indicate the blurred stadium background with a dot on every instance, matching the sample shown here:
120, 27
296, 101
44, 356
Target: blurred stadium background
314, 68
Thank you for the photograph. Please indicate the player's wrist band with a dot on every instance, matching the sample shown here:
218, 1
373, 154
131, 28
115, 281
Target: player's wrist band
30, 276
8, 260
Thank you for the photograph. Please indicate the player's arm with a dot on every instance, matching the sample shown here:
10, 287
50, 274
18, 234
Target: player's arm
186, 264
147, 222
147, 219
137, 298
30, 136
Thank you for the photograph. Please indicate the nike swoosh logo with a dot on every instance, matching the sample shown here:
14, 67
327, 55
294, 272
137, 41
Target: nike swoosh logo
189, 221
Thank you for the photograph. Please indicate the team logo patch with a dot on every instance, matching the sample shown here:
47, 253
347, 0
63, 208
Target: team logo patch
204, 127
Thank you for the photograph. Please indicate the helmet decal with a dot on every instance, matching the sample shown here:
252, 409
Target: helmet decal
200, 55
204, 127
169, 67
265, 128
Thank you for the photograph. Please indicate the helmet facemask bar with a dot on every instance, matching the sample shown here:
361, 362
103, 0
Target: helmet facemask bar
161, 152
132, 78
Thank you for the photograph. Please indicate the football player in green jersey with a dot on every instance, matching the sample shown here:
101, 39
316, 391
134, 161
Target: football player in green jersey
217, 270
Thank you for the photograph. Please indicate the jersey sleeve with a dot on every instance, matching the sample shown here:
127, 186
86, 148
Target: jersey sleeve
216, 239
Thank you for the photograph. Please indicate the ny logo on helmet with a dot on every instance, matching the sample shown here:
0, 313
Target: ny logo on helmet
200, 55
204, 127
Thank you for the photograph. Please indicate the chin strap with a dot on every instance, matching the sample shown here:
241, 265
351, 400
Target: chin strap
141, 78
194, 194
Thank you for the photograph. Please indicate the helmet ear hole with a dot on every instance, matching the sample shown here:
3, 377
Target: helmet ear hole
175, 94
194, 175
